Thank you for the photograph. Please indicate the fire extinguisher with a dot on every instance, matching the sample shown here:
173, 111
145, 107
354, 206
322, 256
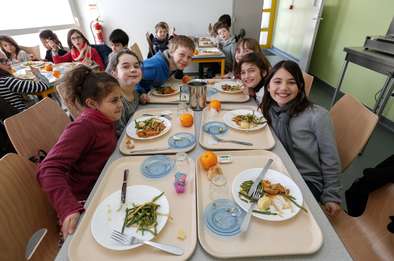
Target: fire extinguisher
96, 27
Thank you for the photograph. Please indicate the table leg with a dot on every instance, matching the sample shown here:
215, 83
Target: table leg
384, 95
339, 82
222, 63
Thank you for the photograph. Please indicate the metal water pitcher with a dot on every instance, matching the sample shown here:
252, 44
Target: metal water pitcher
197, 95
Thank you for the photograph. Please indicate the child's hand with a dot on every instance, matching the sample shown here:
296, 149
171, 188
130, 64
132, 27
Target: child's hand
144, 99
53, 45
69, 224
332, 208
35, 71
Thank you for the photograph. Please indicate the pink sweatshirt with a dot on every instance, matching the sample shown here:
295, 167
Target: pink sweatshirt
73, 165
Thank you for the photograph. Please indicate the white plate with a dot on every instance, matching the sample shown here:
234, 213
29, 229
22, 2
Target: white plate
131, 131
228, 119
275, 177
218, 86
106, 218
177, 89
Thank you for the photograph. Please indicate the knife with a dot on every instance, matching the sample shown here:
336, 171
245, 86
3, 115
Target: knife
124, 188
246, 220
34, 242
260, 177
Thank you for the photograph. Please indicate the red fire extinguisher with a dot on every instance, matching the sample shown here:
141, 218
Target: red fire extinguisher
96, 26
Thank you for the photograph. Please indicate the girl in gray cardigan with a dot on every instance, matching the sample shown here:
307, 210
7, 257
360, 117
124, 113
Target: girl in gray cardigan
305, 131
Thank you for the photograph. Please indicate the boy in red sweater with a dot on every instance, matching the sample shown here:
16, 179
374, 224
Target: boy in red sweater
73, 165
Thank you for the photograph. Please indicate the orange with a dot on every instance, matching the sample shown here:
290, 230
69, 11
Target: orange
56, 74
48, 67
186, 79
195, 52
215, 104
186, 119
208, 159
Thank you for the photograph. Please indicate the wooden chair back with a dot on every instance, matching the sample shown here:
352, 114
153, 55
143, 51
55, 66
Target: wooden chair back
353, 125
74, 108
37, 127
136, 49
308, 79
34, 51
24, 209
150, 44
366, 237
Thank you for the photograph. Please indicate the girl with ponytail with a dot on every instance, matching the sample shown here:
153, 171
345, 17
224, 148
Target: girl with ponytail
72, 166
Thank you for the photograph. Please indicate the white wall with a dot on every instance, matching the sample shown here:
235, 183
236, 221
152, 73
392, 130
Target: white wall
136, 17
247, 15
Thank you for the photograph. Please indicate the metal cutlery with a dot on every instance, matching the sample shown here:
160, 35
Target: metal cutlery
34, 242
165, 114
131, 240
124, 189
231, 141
255, 194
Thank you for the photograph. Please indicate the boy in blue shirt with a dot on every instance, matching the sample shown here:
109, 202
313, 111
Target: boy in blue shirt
160, 67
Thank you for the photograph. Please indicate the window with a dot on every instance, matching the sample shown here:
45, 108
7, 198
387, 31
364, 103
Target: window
24, 19
267, 23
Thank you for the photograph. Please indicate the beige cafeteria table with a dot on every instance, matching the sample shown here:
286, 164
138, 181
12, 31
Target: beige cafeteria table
332, 248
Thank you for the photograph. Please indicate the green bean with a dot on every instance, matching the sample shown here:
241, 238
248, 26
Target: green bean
265, 212
292, 199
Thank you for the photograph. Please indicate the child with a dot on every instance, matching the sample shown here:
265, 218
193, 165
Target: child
228, 44
12, 50
161, 38
159, 68
51, 43
11, 88
253, 70
126, 68
72, 166
243, 47
305, 131
80, 51
119, 41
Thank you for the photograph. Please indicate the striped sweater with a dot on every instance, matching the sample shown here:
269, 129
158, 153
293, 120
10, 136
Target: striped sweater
11, 89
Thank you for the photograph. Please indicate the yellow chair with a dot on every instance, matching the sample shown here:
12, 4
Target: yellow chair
136, 49
353, 125
37, 127
24, 209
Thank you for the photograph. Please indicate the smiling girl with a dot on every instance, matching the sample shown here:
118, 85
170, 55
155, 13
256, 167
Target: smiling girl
12, 50
126, 68
306, 132
80, 51
72, 166
253, 70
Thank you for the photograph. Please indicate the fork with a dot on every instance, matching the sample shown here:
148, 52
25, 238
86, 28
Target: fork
231, 141
255, 197
132, 240
168, 116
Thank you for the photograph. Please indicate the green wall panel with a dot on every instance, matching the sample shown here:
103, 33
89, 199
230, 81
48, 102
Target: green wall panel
346, 24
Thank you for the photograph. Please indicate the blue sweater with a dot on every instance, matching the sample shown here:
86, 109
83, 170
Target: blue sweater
156, 71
